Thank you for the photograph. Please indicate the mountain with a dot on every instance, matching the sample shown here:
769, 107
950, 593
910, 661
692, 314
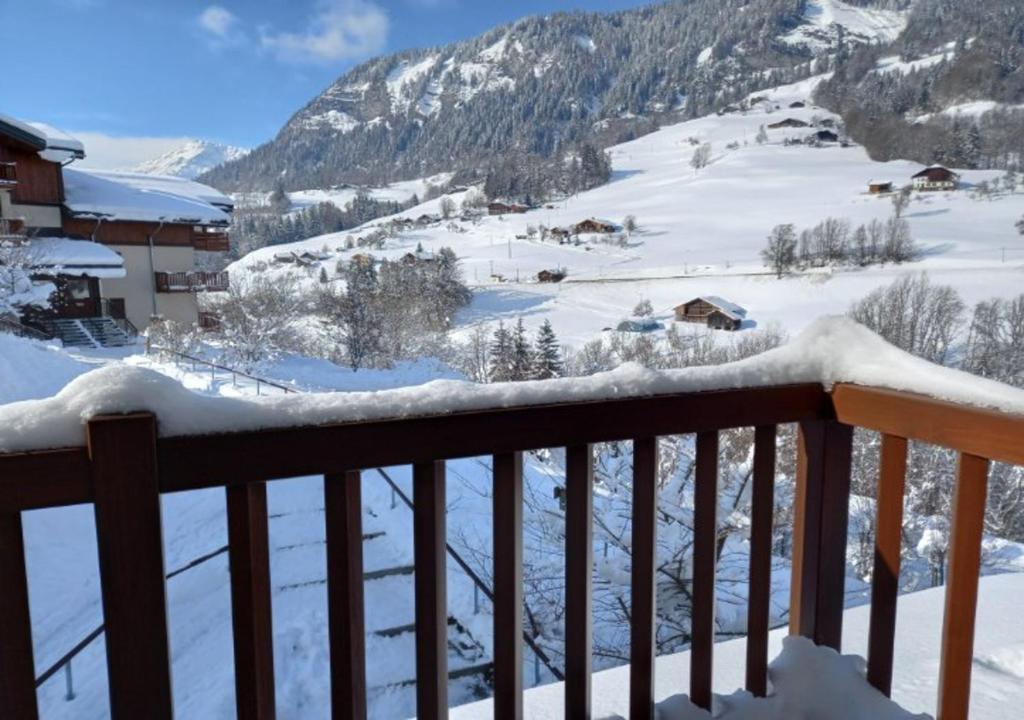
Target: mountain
192, 159
543, 85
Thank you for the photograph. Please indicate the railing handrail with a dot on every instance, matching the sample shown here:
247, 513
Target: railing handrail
222, 368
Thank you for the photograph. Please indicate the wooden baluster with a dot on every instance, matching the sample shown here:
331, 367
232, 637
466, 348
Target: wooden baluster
344, 516
762, 513
508, 586
705, 542
428, 481
885, 579
962, 588
642, 628
821, 517
579, 567
128, 533
249, 558
17, 669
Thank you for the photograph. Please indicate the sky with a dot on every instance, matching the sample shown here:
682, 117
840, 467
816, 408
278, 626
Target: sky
133, 78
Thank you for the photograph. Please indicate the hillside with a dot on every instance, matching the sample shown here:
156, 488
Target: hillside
620, 75
192, 159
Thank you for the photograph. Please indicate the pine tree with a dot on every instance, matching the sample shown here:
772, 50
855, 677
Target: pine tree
547, 361
501, 355
521, 358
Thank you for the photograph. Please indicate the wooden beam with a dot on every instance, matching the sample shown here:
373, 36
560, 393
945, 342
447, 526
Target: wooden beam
249, 558
343, 511
579, 568
962, 588
508, 586
52, 478
762, 515
885, 579
130, 544
705, 546
428, 481
643, 587
17, 668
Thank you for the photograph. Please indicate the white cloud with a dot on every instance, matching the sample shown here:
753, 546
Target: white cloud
217, 20
108, 152
339, 30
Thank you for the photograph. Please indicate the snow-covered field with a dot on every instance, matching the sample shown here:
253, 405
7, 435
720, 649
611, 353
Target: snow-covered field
701, 232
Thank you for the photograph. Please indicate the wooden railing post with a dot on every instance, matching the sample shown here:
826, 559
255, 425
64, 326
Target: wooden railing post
759, 597
428, 481
644, 558
705, 547
821, 517
17, 669
128, 534
962, 588
579, 569
253, 635
343, 509
508, 586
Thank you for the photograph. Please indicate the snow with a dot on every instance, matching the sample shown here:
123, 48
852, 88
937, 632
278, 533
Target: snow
32, 369
830, 351
76, 257
705, 55
866, 24
893, 63
336, 120
828, 686
192, 159
60, 145
406, 73
24, 127
586, 43
145, 198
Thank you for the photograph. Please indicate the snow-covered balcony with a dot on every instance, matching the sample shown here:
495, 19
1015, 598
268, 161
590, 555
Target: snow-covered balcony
121, 437
191, 281
8, 174
12, 230
209, 238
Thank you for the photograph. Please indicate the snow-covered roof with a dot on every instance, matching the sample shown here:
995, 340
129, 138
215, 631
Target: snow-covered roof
66, 256
60, 145
830, 351
737, 312
12, 127
179, 186
128, 196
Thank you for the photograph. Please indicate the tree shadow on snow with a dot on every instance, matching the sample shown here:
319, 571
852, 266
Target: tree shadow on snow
926, 213
499, 303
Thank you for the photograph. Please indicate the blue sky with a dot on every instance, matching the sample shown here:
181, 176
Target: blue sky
228, 71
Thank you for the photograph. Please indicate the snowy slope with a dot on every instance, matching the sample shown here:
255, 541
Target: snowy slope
30, 369
701, 233
191, 159
824, 17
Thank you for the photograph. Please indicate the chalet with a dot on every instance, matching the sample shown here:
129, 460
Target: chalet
826, 136
502, 208
118, 247
788, 123
551, 276
715, 312
595, 225
560, 233
879, 187
936, 177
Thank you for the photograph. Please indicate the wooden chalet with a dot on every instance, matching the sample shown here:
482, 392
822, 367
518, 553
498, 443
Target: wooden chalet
710, 310
936, 177
880, 187
595, 225
788, 123
551, 276
504, 208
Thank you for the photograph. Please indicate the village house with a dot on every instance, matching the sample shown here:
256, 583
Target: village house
936, 177
714, 312
595, 225
503, 208
788, 123
119, 248
879, 187
550, 276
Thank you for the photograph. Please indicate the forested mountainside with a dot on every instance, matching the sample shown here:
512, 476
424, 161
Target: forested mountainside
950, 89
540, 86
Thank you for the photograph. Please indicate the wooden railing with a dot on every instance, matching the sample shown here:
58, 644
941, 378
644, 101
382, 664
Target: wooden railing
8, 174
191, 281
210, 239
125, 467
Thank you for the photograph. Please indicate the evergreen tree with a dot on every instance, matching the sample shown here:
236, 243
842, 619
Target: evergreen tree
521, 359
548, 354
501, 355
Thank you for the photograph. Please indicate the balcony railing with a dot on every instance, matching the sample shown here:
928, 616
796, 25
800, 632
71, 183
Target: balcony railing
125, 468
210, 239
183, 282
12, 229
8, 174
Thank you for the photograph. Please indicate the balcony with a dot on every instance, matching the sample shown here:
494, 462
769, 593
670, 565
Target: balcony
210, 239
8, 174
122, 467
190, 282
12, 230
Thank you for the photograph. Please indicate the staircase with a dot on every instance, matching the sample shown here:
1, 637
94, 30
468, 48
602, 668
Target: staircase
93, 332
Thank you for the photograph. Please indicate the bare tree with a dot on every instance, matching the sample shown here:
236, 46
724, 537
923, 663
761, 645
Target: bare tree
780, 253
901, 201
701, 157
447, 207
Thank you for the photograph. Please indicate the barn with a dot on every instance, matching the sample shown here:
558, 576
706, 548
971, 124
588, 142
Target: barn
503, 208
595, 225
879, 187
936, 177
715, 312
788, 123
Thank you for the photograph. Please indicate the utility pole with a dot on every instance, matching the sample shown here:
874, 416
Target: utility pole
510, 248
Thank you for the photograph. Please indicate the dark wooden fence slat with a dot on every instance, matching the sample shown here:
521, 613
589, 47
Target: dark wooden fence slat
128, 535
821, 517
579, 565
343, 511
962, 588
249, 558
762, 515
644, 557
17, 669
885, 579
508, 586
705, 542
431, 590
